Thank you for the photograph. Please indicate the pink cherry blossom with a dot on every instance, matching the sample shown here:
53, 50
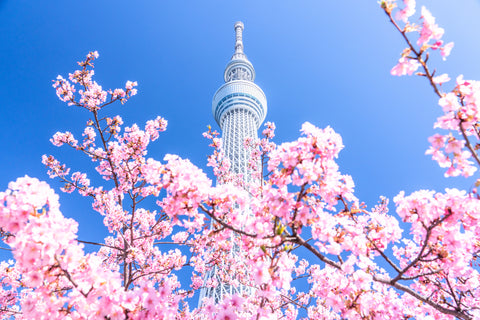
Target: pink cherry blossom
169, 226
441, 79
407, 11
405, 66
446, 49
430, 30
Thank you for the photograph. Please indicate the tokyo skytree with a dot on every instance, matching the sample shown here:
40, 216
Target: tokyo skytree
239, 107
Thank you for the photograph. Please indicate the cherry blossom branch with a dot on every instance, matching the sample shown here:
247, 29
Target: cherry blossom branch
171, 242
294, 301
226, 225
418, 54
467, 140
299, 240
84, 150
422, 275
300, 195
394, 282
420, 255
384, 256
2, 309
418, 296
105, 148
69, 277
100, 244
163, 271
452, 293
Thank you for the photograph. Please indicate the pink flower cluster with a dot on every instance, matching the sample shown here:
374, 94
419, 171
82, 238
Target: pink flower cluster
411, 59
430, 30
455, 150
405, 66
446, 240
460, 118
92, 96
57, 278
407, 11
449, 152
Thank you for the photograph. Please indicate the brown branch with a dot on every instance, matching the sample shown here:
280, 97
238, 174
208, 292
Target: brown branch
100, 244
424, 246
69, 277
467, 141
384, 256
452, 293
429, 75
418, 54
418, 296
299, 240
225, 225
422, 275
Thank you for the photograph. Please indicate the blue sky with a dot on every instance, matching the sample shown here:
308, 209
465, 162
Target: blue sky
318, 61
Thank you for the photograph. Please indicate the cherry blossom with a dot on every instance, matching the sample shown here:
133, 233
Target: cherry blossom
169, 225
405, 66
407, 11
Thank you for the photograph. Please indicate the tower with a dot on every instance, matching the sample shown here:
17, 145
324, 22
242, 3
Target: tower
239, 107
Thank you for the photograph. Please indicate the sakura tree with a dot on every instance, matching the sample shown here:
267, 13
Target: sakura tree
297, 236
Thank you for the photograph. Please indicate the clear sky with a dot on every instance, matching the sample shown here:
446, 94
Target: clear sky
326, 62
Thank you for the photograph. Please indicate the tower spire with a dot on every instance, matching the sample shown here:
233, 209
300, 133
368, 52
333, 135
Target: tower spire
239, 68
239, 54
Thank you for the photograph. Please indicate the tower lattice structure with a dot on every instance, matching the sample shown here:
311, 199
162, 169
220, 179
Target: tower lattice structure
239, 107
